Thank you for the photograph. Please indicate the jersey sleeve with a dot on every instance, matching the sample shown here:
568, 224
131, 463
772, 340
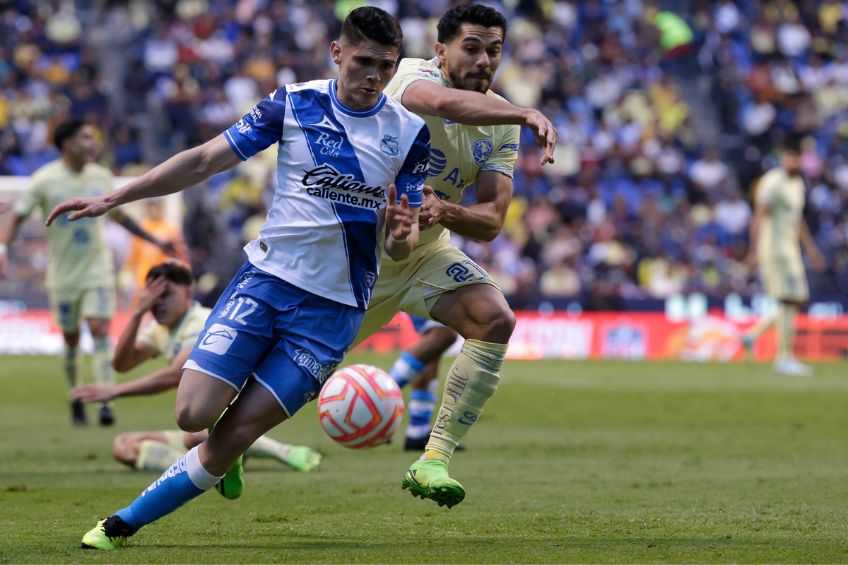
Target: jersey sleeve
409, 72
32, 198
410, 179
505, 153
260, 128
151, 336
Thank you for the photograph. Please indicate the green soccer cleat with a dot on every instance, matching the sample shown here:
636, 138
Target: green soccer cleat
233, 482
303, 459
109, 533
429, 479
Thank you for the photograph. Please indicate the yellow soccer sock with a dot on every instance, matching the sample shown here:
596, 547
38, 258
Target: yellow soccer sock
472, 380
156, 456
71, 366
786, 330
101, 361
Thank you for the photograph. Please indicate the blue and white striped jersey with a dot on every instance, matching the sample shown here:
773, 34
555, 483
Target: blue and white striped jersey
324, 231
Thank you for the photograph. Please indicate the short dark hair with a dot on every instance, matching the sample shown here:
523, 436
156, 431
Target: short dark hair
374, 24
470, 13
66, 130
171, 271
792, 143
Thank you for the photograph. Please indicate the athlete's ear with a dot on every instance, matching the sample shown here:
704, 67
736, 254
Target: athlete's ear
441, 53
336, 52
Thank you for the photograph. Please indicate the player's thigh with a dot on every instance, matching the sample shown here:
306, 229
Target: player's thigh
98, 304
237, 337
201, 398
66, 310
457, 292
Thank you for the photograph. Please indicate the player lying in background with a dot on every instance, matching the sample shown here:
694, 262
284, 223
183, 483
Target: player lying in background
178, 320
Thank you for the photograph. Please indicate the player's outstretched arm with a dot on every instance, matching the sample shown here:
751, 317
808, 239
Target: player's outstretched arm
181, 171
476, 109
401, 226
156, 382
481, 221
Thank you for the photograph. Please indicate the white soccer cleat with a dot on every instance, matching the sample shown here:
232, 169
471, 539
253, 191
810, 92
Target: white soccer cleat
793, 368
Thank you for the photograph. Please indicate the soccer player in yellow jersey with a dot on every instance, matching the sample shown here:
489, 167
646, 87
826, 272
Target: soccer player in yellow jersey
177, 323
80, 277
778, 231
474, 141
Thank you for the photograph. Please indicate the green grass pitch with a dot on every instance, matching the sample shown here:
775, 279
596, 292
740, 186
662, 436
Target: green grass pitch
572, 462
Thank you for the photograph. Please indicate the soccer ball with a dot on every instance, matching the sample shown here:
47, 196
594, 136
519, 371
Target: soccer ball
360, 406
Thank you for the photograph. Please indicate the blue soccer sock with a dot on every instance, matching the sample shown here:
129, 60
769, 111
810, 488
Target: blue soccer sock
184, 480
422, 404
405, 369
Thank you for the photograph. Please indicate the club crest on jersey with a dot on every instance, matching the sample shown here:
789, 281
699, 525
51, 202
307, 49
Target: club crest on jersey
481, 149
370, 278
389, 145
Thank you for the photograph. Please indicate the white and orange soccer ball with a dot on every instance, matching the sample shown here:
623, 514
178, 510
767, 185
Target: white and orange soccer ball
360, 406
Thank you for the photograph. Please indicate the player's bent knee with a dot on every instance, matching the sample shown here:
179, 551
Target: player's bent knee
191, 418
499, 326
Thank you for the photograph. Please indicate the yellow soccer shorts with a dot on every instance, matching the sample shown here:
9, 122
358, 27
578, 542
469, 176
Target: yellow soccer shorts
414, 285
175, 438
69, 307
785, 280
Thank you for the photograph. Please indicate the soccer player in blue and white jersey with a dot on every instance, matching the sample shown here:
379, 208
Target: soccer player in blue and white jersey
345, 151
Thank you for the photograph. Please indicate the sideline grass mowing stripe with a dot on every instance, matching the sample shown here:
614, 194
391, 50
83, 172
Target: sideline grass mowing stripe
572, 462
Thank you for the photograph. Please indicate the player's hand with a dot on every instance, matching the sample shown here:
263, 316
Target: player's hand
151, 293
398, 215
3, 259
95, 392
432, 211
82, 207
544, 132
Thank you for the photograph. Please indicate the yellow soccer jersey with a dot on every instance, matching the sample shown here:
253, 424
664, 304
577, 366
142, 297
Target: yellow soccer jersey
171, 342
779, 235
457, 152
78, 257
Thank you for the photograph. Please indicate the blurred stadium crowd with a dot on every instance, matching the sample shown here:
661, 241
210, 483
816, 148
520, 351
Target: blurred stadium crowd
668, 112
